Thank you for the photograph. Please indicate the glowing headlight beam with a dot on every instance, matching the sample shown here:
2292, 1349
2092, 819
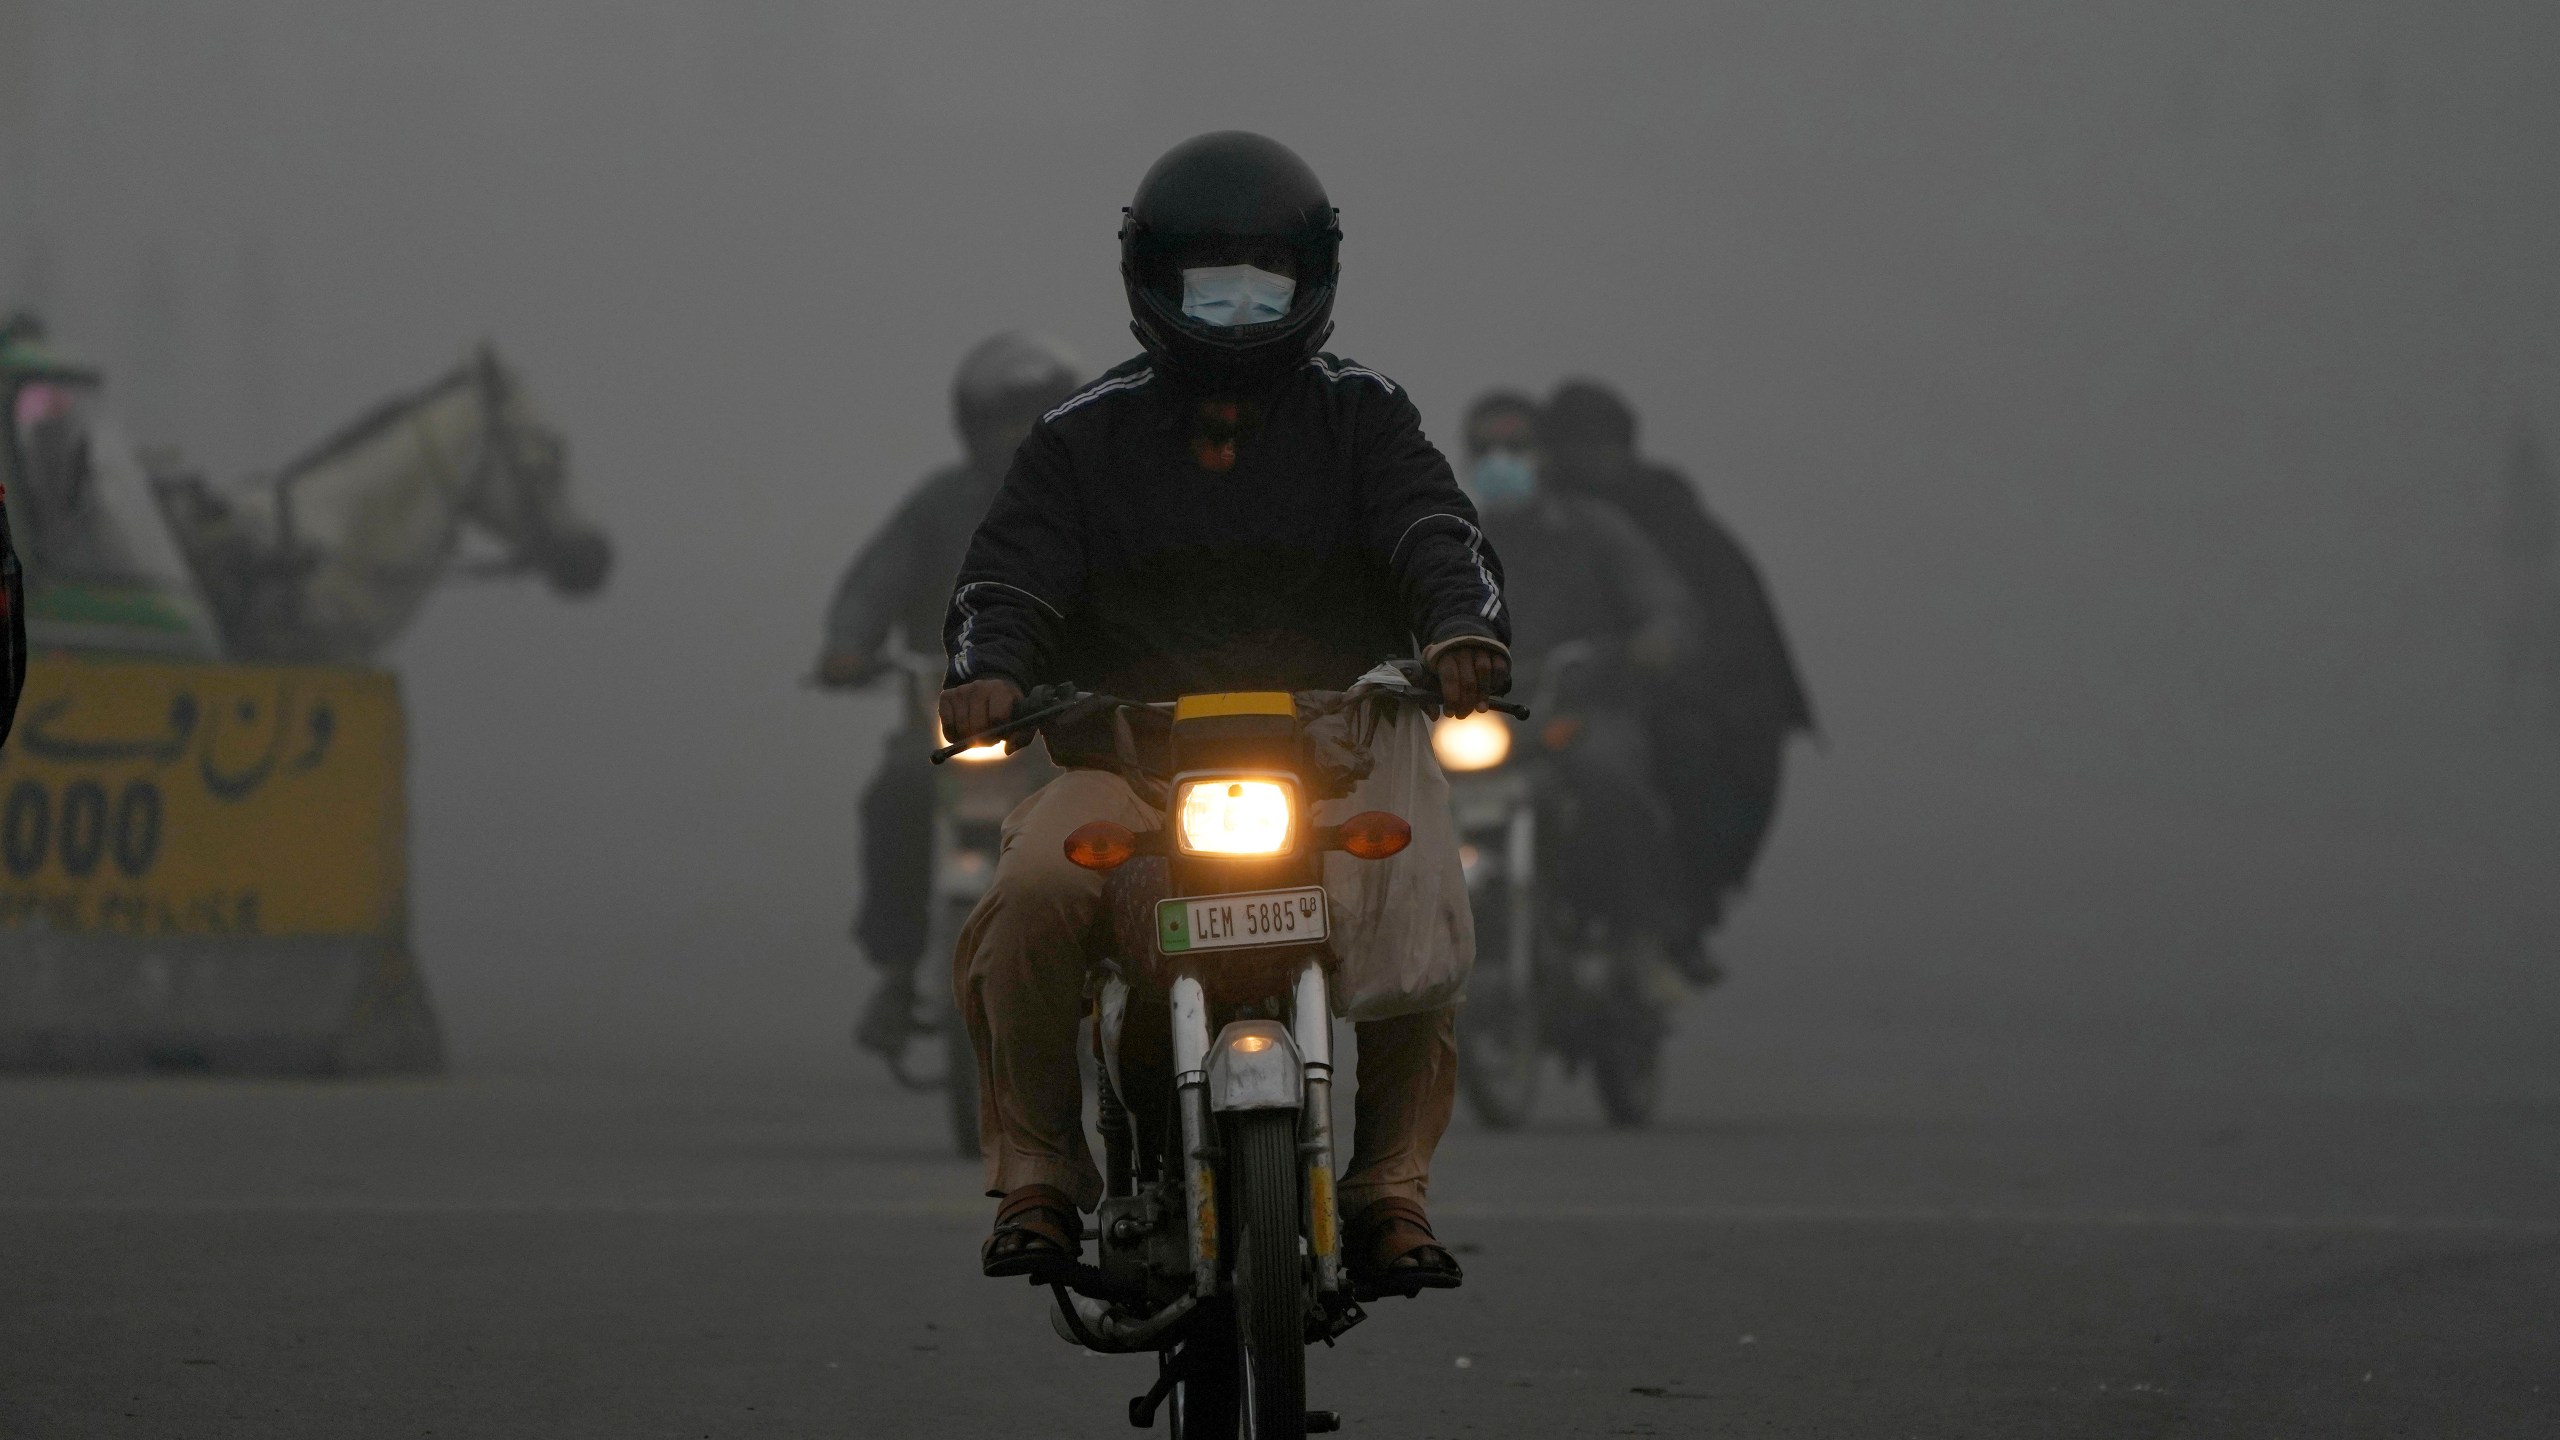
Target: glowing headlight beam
975, 753
1474, 742
1235, 817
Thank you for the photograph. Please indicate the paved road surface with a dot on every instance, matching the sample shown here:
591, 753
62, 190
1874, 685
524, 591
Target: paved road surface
1902, 1191
521, 1255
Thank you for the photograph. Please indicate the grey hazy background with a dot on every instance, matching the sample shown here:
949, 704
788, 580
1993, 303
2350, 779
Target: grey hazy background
2116, 395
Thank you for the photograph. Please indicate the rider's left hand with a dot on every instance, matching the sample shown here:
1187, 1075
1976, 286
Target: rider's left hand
1469, 673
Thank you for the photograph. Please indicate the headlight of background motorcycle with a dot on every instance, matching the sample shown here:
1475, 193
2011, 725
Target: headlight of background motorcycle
1235, 817
1474, 742
974, 753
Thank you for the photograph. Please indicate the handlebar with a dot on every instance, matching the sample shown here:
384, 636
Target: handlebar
1053, 702
1047, 703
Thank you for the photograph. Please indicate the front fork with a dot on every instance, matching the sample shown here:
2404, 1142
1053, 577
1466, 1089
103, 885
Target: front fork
1311, 1025
1199, 1156
1311, 1030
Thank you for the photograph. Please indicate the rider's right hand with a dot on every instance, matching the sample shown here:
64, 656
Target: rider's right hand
977, 706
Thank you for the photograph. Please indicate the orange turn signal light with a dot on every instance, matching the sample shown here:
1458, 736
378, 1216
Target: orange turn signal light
1375, 834
1101, 845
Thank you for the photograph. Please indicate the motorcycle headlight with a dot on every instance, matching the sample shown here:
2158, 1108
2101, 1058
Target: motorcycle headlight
1235, 816
1473, 742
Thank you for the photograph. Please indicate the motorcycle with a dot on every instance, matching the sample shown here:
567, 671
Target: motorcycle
970, 802
1220, 1245
1554, 974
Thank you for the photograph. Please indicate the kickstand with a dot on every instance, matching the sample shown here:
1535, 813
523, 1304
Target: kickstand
1142, 1409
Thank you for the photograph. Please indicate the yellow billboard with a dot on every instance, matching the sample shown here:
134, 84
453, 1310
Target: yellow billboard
147, 798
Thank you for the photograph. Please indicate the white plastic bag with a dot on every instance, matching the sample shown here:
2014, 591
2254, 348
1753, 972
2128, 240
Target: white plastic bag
1401, 926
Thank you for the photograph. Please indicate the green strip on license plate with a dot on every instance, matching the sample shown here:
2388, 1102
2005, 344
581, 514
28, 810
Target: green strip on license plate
1237, 922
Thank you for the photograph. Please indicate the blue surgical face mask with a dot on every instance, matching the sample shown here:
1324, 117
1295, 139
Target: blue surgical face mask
1235, 295
1502, 477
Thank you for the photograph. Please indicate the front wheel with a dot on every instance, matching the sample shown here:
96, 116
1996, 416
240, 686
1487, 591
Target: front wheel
1263, 1174
1203, 1403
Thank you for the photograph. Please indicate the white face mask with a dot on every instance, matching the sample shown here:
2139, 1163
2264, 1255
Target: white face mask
1235, 295
1501, 479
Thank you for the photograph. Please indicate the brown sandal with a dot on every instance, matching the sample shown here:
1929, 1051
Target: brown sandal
1038, 1232
1393, 1251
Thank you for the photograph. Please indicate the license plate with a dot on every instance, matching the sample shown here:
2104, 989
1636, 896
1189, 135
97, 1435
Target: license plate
1236, 922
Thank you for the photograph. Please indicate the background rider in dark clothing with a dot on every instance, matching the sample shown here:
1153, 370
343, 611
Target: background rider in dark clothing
892, 600
1720, 755
1581, 576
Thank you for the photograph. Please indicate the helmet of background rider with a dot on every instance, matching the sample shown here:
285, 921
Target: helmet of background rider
1005, 383
1504, 453
1590, 434
1214, 203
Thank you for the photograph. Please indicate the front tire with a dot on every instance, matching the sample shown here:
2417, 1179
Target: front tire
1203, 1403
1263, 1168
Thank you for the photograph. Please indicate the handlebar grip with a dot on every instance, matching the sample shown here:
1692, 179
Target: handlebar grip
1044, 703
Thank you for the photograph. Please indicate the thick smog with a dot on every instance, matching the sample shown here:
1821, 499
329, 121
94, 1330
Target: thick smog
1426, 719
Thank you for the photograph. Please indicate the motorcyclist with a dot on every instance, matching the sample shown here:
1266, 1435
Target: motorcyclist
1231, 509
1720, 755
1584, 573
892, 597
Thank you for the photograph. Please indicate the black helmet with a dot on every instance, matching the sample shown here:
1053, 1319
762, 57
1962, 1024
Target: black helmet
1503, 402
1008, 371
1228, 193
1590, 413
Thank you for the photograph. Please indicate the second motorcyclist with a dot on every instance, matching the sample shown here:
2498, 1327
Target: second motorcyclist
892, 598
1232, 509
1586, 577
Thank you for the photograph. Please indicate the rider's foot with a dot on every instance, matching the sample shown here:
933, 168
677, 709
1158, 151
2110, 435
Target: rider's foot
1393, 1252
1038, 1232
890, 1017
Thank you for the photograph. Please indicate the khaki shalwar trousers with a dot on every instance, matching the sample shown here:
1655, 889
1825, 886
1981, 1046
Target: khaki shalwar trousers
1018, 975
